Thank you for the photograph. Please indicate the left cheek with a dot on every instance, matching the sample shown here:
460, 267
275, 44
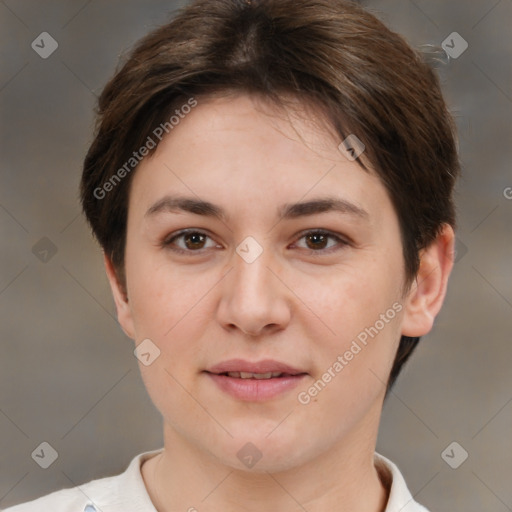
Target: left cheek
354, 306
354, 302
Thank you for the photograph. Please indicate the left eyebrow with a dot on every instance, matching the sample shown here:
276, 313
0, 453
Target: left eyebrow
321, 205
285, 211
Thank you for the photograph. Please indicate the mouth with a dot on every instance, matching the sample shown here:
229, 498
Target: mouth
255, 382
257, 376
260, 369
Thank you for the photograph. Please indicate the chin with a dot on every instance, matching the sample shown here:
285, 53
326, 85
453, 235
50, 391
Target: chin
258, 452
267, 461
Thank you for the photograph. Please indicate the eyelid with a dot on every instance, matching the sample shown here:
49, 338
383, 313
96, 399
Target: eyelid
342, 240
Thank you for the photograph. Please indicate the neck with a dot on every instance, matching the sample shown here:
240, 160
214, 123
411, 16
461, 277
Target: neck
344, 479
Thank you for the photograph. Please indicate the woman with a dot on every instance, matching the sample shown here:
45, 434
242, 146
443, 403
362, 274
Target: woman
271, 184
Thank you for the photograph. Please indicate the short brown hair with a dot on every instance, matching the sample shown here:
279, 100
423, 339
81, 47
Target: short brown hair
366, 80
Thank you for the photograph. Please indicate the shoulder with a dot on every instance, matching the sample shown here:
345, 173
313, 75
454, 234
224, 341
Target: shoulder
67, 500
109, 494
74, 499
400, 498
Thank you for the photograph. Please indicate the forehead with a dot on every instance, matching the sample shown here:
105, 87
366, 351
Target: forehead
242, 151
238, 115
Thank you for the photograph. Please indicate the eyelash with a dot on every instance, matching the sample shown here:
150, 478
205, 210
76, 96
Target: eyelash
168, 241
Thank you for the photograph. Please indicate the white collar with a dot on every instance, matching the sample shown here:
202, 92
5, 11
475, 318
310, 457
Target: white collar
399, 500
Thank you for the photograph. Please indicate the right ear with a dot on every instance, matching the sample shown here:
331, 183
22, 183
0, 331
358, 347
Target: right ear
124, 312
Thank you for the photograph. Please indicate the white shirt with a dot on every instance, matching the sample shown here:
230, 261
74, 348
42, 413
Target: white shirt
127, 492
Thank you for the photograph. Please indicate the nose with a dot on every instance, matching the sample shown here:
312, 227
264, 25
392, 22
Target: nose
254, 298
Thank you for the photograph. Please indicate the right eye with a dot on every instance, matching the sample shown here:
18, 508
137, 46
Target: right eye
193, 241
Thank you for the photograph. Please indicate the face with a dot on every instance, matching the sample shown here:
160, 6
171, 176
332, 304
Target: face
259, 280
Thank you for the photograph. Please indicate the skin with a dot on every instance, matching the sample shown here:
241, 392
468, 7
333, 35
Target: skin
301, 302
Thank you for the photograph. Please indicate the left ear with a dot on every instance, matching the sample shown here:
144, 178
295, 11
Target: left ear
426, 296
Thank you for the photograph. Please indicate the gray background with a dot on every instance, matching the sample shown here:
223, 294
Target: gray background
67, 372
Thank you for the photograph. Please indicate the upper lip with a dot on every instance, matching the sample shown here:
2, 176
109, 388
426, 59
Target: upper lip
264, 366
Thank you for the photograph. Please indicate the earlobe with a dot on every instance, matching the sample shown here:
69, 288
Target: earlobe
427, 293
123, 308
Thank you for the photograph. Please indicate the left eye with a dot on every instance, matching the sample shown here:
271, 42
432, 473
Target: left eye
318, 239
194, 241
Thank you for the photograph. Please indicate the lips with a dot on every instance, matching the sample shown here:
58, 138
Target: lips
255, 382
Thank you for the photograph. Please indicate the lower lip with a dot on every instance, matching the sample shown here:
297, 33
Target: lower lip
256, 390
